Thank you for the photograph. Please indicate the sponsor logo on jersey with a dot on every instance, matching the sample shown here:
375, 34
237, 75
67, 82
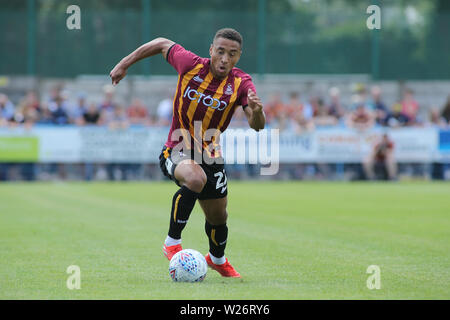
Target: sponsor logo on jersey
198, 79
207, 100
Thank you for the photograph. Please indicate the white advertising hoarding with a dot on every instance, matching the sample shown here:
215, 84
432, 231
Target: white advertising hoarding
144, 144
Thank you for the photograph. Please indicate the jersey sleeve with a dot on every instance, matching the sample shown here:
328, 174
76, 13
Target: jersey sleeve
247, 84
181, 59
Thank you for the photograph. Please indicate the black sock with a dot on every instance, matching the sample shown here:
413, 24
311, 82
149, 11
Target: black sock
182, 204
217, 238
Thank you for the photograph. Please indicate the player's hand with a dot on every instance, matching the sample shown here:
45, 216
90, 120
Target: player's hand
253, 101
118, 73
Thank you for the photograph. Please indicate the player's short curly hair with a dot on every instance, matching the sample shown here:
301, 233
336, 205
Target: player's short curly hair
229, 33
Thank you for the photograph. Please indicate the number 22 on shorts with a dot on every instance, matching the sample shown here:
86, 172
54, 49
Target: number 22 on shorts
221, 184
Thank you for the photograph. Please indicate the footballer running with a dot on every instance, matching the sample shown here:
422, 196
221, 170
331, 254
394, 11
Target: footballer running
208, 92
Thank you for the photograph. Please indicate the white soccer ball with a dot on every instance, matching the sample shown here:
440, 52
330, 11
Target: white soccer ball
188, 265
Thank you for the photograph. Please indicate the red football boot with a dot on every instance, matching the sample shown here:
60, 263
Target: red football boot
169, 251
225, 270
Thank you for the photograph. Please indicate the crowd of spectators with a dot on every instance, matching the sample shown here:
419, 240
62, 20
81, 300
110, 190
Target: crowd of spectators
365, 109
293, 111
58, 109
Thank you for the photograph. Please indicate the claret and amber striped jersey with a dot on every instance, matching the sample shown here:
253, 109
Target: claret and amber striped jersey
201, 98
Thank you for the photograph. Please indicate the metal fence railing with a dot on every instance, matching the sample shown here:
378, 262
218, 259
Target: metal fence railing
35, 41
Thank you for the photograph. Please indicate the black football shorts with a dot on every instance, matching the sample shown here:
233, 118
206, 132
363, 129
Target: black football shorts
216, 184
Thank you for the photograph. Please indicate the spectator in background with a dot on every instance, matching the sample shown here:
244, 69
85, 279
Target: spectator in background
377, 105
396, 118
58, 111
117, 119
382, 154
359, 95
28, 110
6, 110
164, 112
137, 113
108, 103
56, 91
90, 116
273, 107
78, 108
446, 110
28, 113
312, 106
45, 116
278, 114
283, 121
436, 119
410, 107
31, 100
323, 116
361, 118
302, 113
108, 106
335, 108
294, 104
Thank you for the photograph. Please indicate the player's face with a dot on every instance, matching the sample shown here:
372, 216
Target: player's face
225, 53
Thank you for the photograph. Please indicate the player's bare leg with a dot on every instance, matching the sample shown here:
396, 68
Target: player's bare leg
215, 210
192, 179
217, 231
191, 175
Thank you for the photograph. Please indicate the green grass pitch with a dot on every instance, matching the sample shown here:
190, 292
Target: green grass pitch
289, 240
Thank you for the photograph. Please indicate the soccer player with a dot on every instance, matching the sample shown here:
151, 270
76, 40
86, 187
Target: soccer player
208, 92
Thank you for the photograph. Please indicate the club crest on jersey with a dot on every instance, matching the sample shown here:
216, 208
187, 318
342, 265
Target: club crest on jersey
207, 100
229, 90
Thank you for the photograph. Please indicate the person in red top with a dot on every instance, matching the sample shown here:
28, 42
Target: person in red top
208, 92
274, 107
410, 107
137, 113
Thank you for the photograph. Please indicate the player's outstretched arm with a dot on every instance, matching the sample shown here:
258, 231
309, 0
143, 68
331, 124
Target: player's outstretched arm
254, 112
158, 45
